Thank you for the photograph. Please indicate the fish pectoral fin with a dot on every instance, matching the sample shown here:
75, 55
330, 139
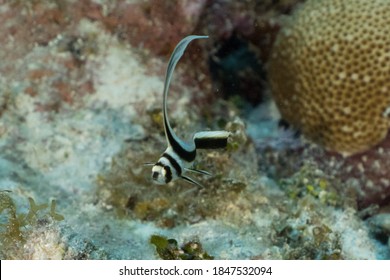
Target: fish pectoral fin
190, 180
203, 172
211, 139
148, 164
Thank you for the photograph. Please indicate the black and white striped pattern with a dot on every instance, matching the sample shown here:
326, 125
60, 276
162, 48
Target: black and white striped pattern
211, 139
179, 155
168, 167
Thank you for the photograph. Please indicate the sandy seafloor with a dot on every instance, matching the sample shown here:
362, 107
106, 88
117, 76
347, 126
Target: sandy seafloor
79, 132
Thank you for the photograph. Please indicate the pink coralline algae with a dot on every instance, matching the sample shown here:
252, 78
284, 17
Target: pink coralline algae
367, 172
155, 25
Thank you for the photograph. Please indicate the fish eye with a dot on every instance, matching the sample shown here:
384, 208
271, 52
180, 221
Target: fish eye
155, 175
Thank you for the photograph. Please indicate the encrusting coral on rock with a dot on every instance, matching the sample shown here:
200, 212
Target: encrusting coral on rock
329, 73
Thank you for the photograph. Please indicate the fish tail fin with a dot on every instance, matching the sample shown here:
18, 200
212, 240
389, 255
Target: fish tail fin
211, 139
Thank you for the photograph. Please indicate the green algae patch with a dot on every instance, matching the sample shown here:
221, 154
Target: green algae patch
311, 181
168, 249
56, 216
10, 232
308, 229
19, 226
307, 241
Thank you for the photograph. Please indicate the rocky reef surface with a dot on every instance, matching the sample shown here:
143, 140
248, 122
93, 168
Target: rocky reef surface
80, 113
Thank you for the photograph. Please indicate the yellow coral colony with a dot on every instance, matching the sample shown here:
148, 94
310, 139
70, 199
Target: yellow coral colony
330, 72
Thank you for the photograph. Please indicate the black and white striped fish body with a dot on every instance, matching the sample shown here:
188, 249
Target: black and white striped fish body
169, 167
179, 156
172, 166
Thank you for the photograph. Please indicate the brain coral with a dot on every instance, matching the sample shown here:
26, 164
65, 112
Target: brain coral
329, 72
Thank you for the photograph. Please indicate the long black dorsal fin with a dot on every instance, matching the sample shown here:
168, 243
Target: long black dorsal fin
184, 150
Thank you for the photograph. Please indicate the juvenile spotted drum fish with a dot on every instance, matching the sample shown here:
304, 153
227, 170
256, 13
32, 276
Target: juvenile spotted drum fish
179, 156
